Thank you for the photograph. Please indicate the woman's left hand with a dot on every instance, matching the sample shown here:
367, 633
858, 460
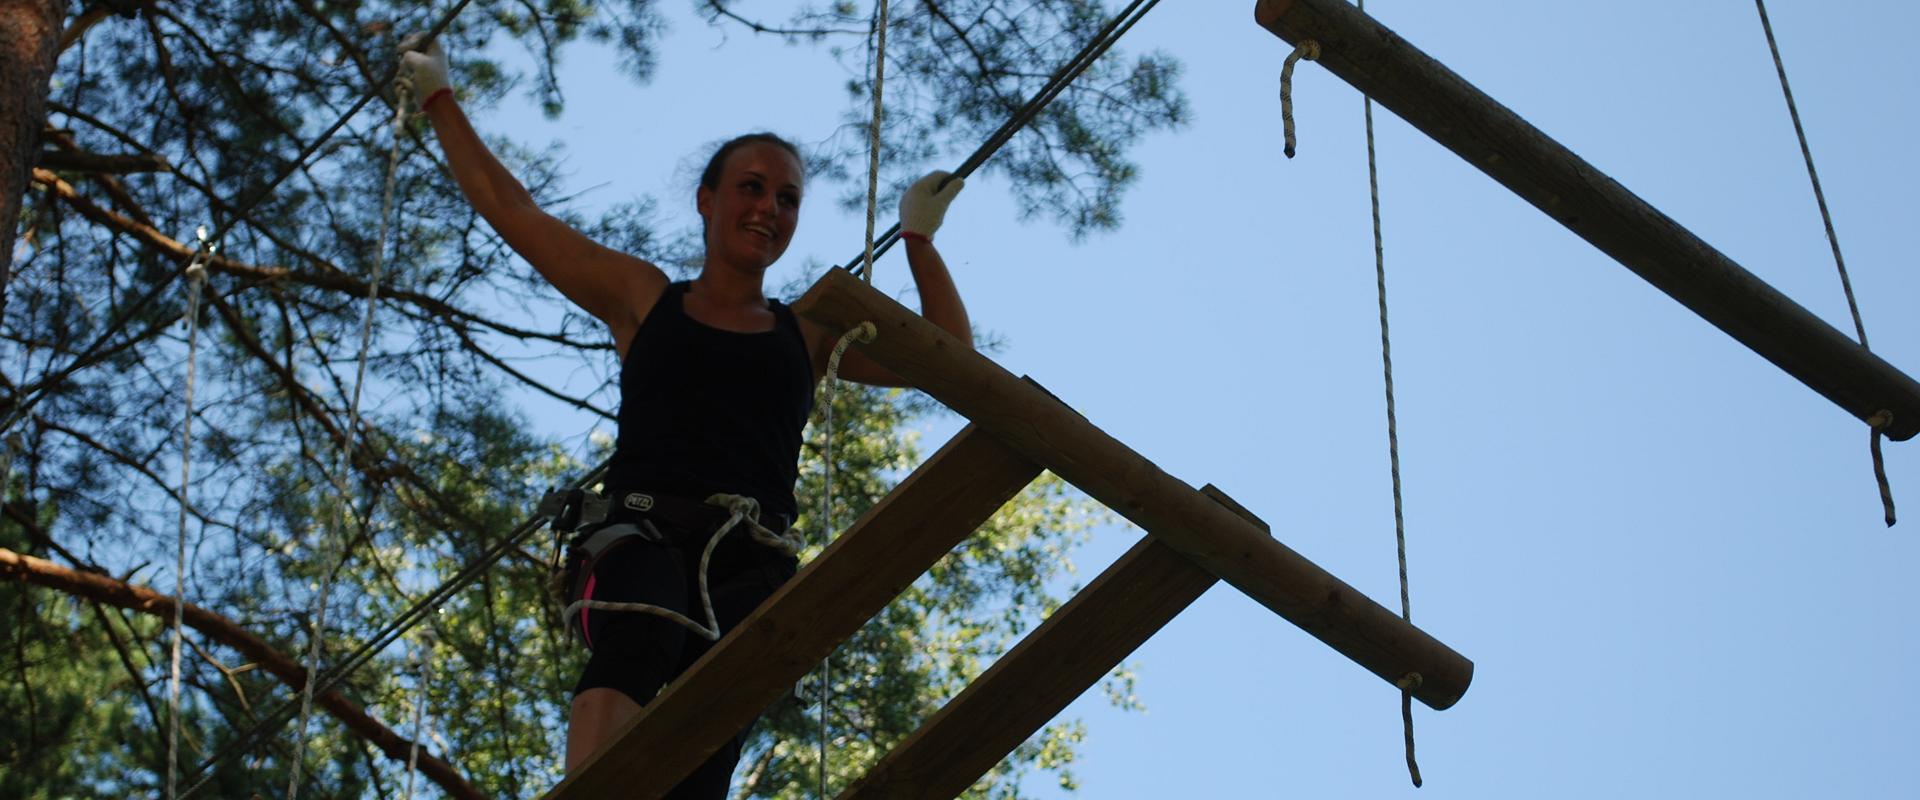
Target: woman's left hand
924, 206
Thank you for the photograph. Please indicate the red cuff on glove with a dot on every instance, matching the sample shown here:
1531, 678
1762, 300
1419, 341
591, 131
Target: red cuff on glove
917, 237
437, 94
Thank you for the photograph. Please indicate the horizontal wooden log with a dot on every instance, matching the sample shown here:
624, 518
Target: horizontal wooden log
1426, 94
100, 588
1071, 651
1047, 431
925, 517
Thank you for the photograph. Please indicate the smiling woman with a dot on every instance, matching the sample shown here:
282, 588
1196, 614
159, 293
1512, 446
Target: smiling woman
716, 385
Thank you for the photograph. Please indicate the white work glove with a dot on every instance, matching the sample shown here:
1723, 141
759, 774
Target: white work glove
922, 209
425, 67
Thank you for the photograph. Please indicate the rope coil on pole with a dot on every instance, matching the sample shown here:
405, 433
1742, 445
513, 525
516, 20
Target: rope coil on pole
1308, 49
1875, 425
196, 275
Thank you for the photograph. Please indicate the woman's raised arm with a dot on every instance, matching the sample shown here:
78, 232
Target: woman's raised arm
612, 286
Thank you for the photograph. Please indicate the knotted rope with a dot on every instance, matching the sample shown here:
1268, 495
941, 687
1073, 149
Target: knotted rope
1309, 50
1878, 422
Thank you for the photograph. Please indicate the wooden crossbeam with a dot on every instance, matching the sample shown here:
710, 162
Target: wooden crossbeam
896, 541
1047, 431
1426, 94
1067, 654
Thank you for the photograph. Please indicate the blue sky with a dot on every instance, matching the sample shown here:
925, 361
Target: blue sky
1664, 555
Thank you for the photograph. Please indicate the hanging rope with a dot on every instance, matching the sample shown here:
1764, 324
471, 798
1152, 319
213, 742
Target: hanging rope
1309, 50
873, 140
403, 101
196, 274
420, 710
1877, 424
1411, 680
863, 333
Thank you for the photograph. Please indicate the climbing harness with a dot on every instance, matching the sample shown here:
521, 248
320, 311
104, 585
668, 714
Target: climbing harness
196, 274
586, 515
1876, 424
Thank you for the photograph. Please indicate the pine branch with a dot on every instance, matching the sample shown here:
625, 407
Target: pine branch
39, 572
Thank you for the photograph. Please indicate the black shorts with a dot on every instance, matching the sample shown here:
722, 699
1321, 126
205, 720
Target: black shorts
638, 653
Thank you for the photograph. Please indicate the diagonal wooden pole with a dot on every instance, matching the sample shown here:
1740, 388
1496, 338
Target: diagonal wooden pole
1036, 424
1426, 94
1078, 645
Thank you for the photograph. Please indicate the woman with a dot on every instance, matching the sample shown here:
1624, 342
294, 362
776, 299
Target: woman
716, 384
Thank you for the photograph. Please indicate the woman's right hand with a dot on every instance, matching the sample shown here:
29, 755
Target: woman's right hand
425, 64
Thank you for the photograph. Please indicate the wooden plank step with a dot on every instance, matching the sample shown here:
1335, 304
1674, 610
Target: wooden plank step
1057, 662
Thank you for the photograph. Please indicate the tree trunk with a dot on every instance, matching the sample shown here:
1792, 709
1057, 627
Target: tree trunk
29, 44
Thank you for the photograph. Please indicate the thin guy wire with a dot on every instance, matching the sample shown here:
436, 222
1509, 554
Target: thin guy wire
1095, 47
196, 281
403, 99
873, 141
1411, 681
1840, 263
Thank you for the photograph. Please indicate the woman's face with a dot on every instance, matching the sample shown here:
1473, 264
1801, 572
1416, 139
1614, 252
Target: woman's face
752, 210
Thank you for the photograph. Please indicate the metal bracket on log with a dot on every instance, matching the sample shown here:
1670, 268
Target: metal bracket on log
1422, 91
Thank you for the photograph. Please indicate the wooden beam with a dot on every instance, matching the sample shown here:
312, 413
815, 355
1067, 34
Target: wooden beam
927, 515
1050, 433
1431, 97
1070, 652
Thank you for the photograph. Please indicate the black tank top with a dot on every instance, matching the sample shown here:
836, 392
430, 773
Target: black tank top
705, 410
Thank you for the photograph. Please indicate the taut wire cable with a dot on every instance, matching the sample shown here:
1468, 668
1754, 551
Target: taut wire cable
1091, 52
196, 274
1879, 421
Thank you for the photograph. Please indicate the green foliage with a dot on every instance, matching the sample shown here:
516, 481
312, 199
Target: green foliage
468, 343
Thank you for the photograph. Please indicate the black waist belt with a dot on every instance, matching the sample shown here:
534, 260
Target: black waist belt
579, 509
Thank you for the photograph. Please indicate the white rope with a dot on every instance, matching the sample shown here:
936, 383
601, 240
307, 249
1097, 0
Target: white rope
1877, 423
420, 710
863, 333
873, 140
403, 100
743, 510
1309, 50
1411, 680
196, 273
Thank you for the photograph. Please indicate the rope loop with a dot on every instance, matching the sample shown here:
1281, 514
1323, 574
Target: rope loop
1308, 49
